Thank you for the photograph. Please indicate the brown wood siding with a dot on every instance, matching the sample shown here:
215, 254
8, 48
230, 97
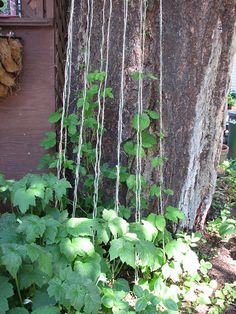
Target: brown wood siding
24, 114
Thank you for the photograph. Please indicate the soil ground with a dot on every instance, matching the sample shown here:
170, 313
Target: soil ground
221, 252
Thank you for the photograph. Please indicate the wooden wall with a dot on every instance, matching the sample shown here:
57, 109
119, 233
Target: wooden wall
24, 114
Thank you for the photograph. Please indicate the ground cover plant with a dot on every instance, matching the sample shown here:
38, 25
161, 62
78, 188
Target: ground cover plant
51, 262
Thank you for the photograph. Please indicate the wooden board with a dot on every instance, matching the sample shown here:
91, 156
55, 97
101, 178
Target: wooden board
23, 115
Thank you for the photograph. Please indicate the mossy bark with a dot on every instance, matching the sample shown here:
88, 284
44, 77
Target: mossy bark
197, 53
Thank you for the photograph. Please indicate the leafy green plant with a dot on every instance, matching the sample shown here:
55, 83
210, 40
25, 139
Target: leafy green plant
231, 99
223, 201
223, 298
51, 263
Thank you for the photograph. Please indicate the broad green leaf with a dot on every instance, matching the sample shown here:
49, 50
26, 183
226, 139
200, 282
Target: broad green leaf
142, 122
144, 231
45, 263
102, 233
148, 140
11, 257
227, 227
32, 227
124, 250
174, 214
55, 117
140, 305
158, 221
138, 291
49, 141
168, 192
89, 267
157, 161
47, 310
75, 294
170, 305
92, 300
8, 226
23, 198
192, 267
33, 251
41, 298
118, 226
129, 148
131, 181
153, 114
155, 190
61, 187
176, 249
76, 246
96, 76
52, 227
30, 275
171, 248
108, 93
80, 227
56, 289
146, 253
136, 76
6, 291
108, 301
121, 285
172, 270
109, 214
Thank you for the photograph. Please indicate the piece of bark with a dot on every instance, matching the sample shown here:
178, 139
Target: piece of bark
6, 57
3, 90
6, 78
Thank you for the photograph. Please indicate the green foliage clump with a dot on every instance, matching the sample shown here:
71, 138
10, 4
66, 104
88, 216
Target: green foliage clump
224, 201
51, 263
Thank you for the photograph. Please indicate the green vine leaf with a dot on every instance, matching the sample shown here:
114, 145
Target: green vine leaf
23, 198
148, 140
6, 291
143, 121
124, 250
61, 187
153, 114
155, 190
11, 257
49, 141
32, 227
55, 117
47, 310
174, 214
157, 161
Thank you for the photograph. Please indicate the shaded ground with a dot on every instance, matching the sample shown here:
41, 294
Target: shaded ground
221, 252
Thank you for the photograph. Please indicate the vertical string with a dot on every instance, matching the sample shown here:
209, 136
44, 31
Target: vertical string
143, 9
161, 105
121, 107
96, 176
101, 107
138, 188
66, 94
87, 64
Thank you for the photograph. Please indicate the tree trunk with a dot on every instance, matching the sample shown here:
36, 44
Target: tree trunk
197, 52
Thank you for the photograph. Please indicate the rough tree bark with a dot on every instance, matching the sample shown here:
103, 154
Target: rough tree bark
198, 40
